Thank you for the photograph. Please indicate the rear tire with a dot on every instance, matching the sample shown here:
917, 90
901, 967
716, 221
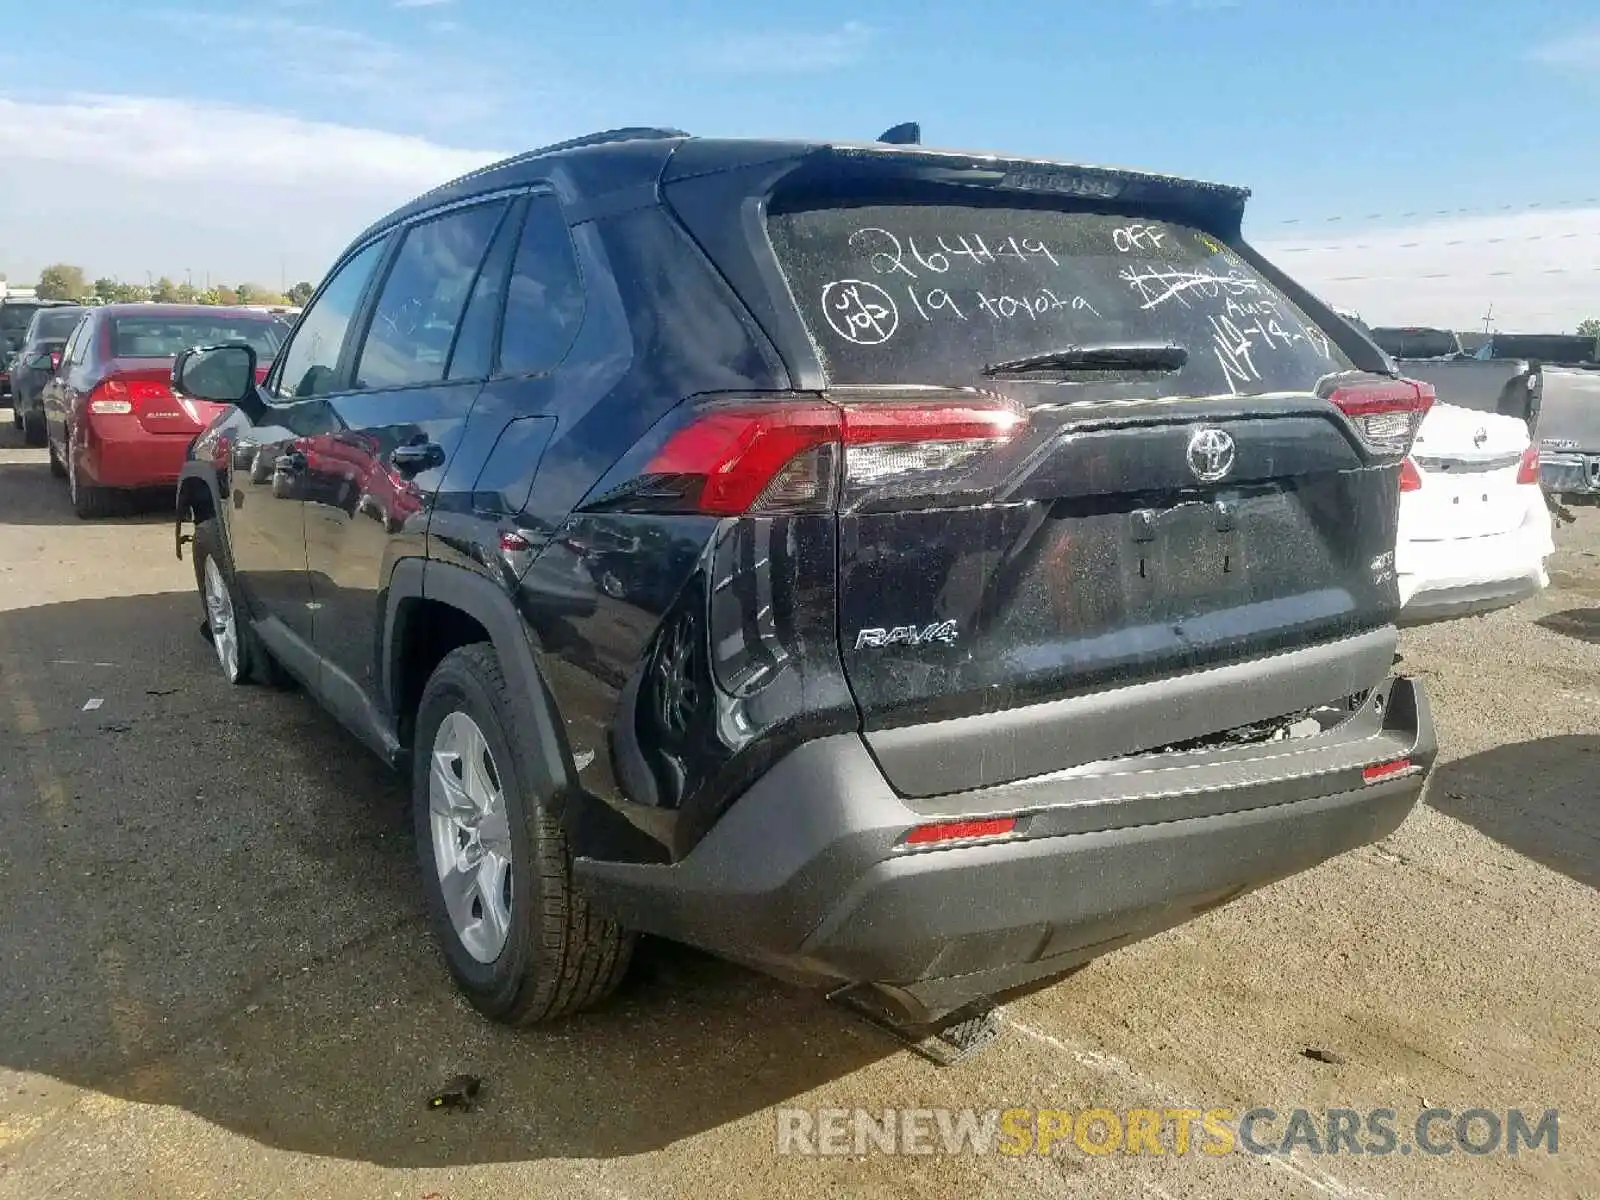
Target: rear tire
522, 945
88, 501
56, 469
240, 652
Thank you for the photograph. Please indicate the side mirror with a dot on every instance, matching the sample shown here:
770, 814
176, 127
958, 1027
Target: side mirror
41, 362
220, 374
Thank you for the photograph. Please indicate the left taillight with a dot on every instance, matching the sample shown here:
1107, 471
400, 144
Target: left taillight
55, 359
788, 453
1528, 468
116, 396
1386, 413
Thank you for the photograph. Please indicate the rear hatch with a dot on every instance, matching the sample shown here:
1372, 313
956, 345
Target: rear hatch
1466, 476
1088, 444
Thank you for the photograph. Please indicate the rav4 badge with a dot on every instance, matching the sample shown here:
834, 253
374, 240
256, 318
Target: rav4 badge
944, 632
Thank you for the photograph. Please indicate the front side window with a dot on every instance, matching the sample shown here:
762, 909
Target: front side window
414, 322
310, 365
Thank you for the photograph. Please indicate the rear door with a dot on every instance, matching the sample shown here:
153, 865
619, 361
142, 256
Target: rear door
1188, 499
372, 477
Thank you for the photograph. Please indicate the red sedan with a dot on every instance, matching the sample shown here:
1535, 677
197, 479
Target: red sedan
113, 425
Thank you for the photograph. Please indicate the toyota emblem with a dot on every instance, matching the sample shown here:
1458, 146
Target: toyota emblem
1211, 454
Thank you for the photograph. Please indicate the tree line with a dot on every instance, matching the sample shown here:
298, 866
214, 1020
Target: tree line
63, 281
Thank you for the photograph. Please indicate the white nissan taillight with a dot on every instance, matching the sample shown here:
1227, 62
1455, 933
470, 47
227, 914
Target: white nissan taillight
796, 454
1386, 413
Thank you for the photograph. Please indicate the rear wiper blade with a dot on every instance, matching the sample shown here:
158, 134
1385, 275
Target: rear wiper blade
1108, 356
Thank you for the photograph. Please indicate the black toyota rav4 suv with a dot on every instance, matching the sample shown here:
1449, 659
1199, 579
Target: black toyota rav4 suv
912, 573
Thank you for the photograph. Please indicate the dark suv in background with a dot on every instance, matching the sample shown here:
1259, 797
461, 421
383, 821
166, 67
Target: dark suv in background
988, 561
37, 359
16, 313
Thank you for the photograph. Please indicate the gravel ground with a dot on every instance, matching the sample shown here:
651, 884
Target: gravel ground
217, 983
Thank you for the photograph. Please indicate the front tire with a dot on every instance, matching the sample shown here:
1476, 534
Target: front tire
33, 430
239, 651
520, 942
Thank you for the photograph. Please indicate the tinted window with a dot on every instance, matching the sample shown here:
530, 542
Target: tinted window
311, 361
1416, 343
82, 337
55, 323
415, 319
544, 301
16, 316
473, 356
933, 293
167, 337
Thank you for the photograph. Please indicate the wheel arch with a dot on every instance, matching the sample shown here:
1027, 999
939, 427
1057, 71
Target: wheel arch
445, 606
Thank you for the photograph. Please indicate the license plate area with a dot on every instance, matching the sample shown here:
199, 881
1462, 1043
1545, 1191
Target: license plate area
1471, 504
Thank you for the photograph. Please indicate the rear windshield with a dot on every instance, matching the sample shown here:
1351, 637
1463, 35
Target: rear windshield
17, 316
167, 337
1416, 343
56, 323
932, 293
1553, 348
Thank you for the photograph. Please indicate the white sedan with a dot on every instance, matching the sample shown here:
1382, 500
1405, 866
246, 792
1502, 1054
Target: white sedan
1475, 531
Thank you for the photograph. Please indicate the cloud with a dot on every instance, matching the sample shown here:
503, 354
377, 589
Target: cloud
1579, 51
351, 67
139, 183
792, 52
1540, 270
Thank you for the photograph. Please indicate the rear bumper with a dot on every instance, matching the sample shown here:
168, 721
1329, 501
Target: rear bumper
1463, 577
1570, 474
115, 451
807, 874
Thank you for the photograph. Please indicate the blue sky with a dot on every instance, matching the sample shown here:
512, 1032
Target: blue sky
1343, 109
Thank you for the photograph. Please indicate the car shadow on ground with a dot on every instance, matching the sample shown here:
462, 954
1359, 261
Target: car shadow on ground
1580, 623
1537, 798
31, 495
213, 904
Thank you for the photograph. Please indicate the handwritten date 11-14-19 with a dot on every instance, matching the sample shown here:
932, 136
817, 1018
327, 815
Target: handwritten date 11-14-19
890, 255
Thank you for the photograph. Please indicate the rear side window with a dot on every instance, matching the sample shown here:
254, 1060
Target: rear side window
934, 293
414, 322
544, 299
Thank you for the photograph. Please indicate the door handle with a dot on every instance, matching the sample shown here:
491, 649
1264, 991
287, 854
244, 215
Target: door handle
417, 456
291, 463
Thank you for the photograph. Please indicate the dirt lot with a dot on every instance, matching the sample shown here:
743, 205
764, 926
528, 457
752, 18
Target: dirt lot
216, 982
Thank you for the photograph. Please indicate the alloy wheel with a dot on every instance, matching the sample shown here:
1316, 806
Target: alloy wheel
224, 628
471, 836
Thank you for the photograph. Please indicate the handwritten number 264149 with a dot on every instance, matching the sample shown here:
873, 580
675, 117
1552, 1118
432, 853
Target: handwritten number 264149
888, 255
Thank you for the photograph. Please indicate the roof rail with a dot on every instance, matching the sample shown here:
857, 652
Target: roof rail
627, 134
630, 133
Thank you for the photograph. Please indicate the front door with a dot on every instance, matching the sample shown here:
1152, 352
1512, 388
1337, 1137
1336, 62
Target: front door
270, 460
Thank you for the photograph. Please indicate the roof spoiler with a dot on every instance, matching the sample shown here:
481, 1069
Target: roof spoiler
907, 134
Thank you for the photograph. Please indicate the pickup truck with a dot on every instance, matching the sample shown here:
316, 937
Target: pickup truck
1509, 384
1569, 420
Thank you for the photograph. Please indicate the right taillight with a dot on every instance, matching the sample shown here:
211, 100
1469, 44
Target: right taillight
796, 454
1385, 412
1528, 468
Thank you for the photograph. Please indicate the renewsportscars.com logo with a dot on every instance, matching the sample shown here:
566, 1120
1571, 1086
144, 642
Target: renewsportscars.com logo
1436, 1132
